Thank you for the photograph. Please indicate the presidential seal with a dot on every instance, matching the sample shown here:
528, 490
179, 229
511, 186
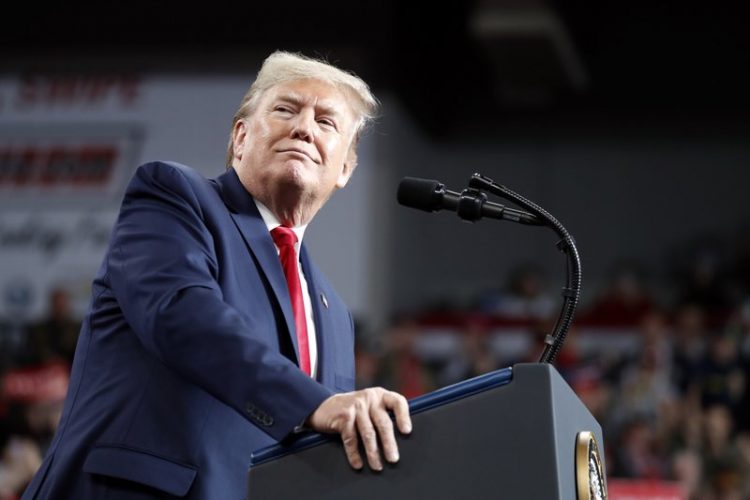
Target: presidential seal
591, 483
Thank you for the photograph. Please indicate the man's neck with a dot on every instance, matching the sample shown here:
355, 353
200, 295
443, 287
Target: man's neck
272, 221
290, 206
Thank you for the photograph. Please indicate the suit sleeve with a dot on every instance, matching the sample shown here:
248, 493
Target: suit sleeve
163, 271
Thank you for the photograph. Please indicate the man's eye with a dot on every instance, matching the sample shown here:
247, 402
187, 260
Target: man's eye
327, 122
282, 109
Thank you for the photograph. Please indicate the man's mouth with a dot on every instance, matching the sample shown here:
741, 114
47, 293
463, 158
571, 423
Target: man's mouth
300, 152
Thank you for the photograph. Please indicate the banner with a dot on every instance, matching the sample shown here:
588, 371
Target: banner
632, 489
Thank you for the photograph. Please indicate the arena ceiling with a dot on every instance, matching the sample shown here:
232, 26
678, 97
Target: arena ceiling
458, 65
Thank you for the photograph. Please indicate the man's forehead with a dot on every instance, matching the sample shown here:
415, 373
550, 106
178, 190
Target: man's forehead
319, 93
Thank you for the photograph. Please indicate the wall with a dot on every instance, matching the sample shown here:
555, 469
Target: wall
642, 190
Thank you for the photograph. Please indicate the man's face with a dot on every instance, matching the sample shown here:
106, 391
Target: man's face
295, 148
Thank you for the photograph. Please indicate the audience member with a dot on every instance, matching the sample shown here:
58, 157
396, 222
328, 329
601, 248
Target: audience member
721, 377
400, 368
525, 297
687, 470
723, 461
624, 301
689, 336
55, 336
703, 280
31, 407
475, 356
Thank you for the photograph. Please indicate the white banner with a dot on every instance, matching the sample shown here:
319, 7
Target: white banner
45, 249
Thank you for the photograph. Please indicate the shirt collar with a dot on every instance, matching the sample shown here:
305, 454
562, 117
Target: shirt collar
272, 222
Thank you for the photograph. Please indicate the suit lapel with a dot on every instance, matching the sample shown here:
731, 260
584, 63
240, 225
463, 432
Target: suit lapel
255, 233
323, 327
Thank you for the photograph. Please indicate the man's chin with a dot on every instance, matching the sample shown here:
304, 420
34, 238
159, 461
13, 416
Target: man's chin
297, 173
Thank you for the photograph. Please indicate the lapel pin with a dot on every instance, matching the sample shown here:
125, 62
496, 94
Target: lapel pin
324, 300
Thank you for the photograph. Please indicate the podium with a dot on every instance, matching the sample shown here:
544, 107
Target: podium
515, 433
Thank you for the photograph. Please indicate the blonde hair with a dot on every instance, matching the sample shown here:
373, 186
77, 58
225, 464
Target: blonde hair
282, 67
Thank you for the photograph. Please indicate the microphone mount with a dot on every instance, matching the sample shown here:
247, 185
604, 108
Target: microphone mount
471, 204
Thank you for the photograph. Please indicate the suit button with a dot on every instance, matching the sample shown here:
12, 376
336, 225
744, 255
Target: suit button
267, 420
252, 410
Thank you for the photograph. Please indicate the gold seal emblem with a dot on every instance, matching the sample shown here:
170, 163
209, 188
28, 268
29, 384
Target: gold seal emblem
591, 483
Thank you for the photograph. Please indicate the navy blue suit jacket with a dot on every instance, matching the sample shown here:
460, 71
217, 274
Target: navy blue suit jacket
186, 362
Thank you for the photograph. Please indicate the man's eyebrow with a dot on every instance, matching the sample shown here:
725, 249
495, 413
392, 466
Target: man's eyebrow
322, 106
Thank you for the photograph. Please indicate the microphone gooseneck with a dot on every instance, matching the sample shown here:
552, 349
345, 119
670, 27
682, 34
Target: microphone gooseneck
472, 204
572, 290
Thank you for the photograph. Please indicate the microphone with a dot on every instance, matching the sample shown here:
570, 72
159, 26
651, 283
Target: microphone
471, 204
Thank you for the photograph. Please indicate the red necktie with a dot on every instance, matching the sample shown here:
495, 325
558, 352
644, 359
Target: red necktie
285, 239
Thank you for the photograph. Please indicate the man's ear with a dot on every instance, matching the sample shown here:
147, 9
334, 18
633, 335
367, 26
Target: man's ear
239, 135
347, 169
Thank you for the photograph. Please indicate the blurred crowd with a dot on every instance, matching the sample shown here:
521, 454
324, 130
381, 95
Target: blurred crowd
35, 361
663, 364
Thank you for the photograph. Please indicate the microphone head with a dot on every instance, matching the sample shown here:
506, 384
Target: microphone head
423, 194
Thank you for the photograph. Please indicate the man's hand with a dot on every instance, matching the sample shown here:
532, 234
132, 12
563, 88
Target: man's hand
363, 414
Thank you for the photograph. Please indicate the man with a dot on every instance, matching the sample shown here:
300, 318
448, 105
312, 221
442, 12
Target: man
204, 341
54, 337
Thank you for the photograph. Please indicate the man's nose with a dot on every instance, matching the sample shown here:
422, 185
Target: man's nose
303, 127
